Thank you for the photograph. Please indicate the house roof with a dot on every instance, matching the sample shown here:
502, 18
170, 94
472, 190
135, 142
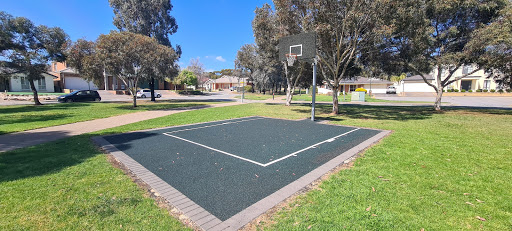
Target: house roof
46, 74
418, 78
68, 70
364, 80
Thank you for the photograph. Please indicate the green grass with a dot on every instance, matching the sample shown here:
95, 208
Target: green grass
39, 93
257, 96
430, 161
347, 98
26, 117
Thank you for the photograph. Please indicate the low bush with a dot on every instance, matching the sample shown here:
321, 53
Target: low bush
247, 88
493, 90
463, 90
182, 92
501, 91
485, 90
509, 90
470, 91
479, 90
455, 90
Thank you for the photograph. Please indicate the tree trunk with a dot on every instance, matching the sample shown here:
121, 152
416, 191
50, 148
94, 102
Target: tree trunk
134, 100
152, 88
437, 104
289, 93
34, 90
335, 106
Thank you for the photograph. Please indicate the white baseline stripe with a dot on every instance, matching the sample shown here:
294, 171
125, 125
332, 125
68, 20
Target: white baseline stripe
217, 150
312, 146
234, 122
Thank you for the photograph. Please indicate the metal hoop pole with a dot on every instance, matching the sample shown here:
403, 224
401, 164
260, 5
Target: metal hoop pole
313, 91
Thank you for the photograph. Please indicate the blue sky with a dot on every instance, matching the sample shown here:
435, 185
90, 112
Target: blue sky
210, 30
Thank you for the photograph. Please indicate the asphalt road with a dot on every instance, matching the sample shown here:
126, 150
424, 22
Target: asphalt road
463, 101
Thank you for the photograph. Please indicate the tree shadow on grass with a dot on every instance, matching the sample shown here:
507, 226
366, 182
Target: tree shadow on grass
52, 157
398, 113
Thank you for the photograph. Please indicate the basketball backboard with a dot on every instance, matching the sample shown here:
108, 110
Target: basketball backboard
303, 45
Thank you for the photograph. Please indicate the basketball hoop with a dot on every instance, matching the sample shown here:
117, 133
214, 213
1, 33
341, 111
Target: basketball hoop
291, 58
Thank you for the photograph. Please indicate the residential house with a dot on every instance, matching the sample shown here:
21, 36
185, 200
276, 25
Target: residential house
19, 83
225, 83
477, 81
375, 85
68, 78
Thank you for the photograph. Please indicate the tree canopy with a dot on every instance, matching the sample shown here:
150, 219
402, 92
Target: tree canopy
133, 57
26, 48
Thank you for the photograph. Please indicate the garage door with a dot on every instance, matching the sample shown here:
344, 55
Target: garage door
76, 83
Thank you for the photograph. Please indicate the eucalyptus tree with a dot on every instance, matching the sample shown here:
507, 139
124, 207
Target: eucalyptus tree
27, 49
247, 61
347, 33
134, 57
81, 57
441, 35
147, 17
496, 38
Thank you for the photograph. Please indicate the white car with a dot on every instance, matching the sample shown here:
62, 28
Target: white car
391, 90
147, 93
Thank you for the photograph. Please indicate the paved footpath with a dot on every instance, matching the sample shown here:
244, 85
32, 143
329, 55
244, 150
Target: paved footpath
42, 135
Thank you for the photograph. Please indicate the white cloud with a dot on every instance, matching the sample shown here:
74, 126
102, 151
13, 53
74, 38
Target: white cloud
219, 58
207, 57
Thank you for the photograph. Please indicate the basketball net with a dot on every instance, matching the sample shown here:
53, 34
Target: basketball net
290, 58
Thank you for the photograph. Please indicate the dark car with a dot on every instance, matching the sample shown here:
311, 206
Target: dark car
80, 96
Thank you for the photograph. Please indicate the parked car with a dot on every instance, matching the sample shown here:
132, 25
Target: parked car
80, 96
391, 90
147, 93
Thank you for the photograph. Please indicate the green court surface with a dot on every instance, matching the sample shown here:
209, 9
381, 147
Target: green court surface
227, 166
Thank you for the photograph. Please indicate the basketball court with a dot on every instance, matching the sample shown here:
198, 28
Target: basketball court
223, 174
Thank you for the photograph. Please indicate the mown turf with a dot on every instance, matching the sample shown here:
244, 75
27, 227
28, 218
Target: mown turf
445, 171
26, 117
423, 175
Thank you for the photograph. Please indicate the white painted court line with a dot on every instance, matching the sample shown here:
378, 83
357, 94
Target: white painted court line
310, 147
256, 162
217, 150
234, 122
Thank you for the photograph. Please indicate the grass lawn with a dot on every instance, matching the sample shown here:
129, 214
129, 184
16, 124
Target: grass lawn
257, 96
25, 117
347, 98
437, 171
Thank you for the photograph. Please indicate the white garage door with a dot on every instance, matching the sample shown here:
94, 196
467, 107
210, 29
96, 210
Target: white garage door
417, 87
76, 83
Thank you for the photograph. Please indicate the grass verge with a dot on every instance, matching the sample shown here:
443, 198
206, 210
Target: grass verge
26, 117
437, 171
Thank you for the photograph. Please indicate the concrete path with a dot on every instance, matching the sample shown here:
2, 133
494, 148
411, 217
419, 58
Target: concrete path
38, 136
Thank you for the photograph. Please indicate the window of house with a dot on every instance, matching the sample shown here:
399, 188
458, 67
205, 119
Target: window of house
467, 69
24, 83
352, 87
41, 84
487, 84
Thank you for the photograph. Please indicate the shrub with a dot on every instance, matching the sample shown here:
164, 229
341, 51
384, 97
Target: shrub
479, 90
509, 90
444, 90
485, 90
450, 90
463, 90
247, 88
455, 90
361, 89
500, 91
492, 90
470, 91
182, 92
